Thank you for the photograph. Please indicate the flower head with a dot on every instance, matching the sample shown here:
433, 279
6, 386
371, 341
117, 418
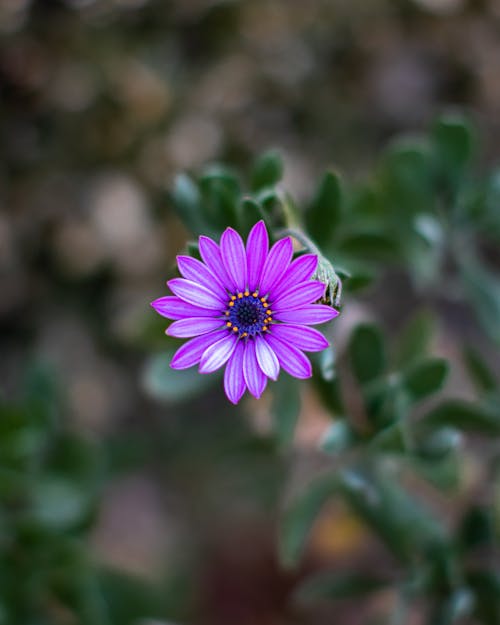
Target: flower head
248, 308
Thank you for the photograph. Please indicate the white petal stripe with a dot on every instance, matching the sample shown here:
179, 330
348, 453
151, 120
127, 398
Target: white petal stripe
235, 258
217, 354
266, 358
190, 353
194, 326
308, 315
193, 269
195, 294
257, 248
293, 361
173, 307
300, 270
212, 257
276, 264
302, 337
254, 377
234, 382
299, 296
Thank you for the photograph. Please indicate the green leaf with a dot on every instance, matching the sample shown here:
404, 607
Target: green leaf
443, 472
338, 437
386, 401
334, 585
414, 340
390, 439
323, 215
58, 503
400, 521
463, 416
131, 600
482, 376
439, 443
285, 409
483, 291
491, 198
326, 363
369, 245
425, 378
477, 528
76, 457
455, 608
163, 383
330, 393
405, 178
223, 175
454, 142
187, 202
486, 587
219, 203
367, 353
359, 280
193, 249
250, 213
300, 516
267, 170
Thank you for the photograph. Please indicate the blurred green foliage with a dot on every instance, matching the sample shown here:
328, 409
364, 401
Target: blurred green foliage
414, 214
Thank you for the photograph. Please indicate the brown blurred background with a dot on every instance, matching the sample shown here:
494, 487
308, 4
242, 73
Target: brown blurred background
102, 102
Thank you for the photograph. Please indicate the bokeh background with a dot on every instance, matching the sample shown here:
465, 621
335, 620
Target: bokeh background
158, 498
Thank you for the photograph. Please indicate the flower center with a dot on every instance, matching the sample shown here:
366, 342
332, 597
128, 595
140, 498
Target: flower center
248, 314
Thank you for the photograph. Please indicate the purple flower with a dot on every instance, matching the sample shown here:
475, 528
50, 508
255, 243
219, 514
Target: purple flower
247, 308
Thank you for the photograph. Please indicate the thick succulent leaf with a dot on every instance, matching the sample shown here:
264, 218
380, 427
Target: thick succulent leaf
367, 353
324, 212
267, 170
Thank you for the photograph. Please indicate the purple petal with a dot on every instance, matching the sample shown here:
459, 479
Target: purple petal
235, 258
191, 352
266, 358
257, 247
174, 308
299, 296
193, 326
291, 359
193, 269
234, 382
195, 294
277, 261
254, 377
218, 354
300, 270
302, 337
212, 257
308, 315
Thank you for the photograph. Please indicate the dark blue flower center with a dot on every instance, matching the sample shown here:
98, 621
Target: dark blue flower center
248, 314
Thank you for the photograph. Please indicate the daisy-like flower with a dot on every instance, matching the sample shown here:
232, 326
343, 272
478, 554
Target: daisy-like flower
247, 308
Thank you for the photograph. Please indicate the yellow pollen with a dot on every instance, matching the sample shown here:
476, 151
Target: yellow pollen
255, 294
247, 293
265, 304
235, 329
227, 313
262, 299
269, 312
264, 328
240, 295
244, 334
233, 297
231, 303
229, 324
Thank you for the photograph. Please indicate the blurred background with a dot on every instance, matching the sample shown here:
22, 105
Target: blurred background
130, 495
